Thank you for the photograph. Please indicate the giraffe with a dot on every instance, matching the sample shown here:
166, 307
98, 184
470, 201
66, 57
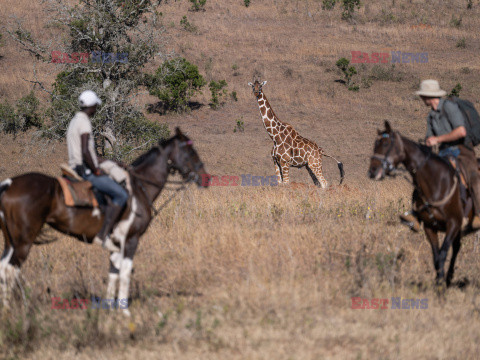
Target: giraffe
289, 148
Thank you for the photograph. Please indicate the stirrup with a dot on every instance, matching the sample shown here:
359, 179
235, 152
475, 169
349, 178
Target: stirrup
106, 244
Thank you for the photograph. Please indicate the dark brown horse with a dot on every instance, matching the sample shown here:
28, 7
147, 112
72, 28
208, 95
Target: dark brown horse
437, 194
29, 201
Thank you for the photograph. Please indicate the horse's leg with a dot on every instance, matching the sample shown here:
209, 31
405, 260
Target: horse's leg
5, 272
432, 237
451, 268
113, 275
453, 231
126, 270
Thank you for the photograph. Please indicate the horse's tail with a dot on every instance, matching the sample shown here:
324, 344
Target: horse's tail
340, 167
4, 185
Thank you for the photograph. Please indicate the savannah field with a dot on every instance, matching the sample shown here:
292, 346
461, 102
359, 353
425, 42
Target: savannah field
267, 272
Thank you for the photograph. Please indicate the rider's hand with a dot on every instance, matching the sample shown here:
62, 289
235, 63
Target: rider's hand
432, 140
98, 172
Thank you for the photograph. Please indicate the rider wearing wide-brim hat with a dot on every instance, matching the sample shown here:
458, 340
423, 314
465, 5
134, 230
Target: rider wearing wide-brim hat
446, 127
83, 159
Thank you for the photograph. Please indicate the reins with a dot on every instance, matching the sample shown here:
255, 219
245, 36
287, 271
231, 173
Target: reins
160, 187
388, 165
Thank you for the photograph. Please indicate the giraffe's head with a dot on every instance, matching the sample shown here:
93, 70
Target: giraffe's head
257, 87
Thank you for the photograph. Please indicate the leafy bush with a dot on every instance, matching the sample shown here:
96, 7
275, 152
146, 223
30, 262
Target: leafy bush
174, 83
348, 72
23, 118
217, 90
198, 5
348, 7
239, 126
247, 3
456, 90
328, 4
187, 25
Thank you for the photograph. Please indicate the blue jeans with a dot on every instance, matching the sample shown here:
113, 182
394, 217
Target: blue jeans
109, 187
449, 151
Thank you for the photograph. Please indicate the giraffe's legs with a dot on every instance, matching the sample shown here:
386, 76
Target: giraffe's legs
277, 167
285, 168
316, 169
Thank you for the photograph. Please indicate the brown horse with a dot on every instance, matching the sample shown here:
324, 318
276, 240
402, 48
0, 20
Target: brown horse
437, 195
29, 201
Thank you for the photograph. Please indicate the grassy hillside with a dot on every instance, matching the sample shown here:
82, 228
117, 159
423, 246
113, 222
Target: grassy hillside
267, 272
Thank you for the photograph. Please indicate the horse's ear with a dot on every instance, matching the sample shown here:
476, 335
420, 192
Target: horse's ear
264, 83
250, 84
388, 128
178, 132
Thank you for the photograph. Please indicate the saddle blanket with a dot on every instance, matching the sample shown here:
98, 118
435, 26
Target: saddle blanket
78, 193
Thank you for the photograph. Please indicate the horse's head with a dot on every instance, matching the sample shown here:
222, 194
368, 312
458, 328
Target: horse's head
184, 159
387, 153
257, 87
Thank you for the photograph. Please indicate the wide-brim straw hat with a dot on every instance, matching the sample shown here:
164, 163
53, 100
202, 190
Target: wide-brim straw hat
430, 88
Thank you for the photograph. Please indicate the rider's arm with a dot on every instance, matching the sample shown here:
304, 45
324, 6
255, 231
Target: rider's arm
87, 157
455, 134
455, 118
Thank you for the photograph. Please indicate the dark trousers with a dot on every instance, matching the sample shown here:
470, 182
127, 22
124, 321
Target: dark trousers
106, 185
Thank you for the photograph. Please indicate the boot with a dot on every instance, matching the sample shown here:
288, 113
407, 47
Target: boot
111, 214
411, 221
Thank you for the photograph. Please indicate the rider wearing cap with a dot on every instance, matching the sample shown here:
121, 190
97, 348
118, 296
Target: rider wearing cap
83, 159
446, 128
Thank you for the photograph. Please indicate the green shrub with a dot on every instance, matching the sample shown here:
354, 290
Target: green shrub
187, 25
247, 3
217, 90
198, 5
23, 118
239, 126
348, 72
349, 8
456, 90
328, 4
462, 43
174, 83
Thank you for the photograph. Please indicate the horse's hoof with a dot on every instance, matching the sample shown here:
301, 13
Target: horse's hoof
411, 221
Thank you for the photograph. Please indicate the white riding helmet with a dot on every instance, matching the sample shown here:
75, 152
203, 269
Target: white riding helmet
88, 98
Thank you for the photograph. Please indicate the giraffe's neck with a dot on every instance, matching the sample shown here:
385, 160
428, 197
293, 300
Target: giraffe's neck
270, 121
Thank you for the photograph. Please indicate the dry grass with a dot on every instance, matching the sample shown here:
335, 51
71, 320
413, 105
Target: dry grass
267, 273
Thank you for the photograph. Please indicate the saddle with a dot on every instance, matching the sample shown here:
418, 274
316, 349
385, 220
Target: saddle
76, 191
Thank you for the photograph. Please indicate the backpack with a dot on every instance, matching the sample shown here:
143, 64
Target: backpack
472, 120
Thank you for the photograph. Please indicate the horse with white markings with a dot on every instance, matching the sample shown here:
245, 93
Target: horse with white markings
30, 200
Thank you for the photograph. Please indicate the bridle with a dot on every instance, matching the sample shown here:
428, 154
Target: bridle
171, 170
387, 164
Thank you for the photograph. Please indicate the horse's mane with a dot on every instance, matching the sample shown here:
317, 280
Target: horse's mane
146, 157
151, 154
427, 151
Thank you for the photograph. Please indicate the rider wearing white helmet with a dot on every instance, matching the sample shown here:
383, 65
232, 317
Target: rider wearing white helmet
83, 159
